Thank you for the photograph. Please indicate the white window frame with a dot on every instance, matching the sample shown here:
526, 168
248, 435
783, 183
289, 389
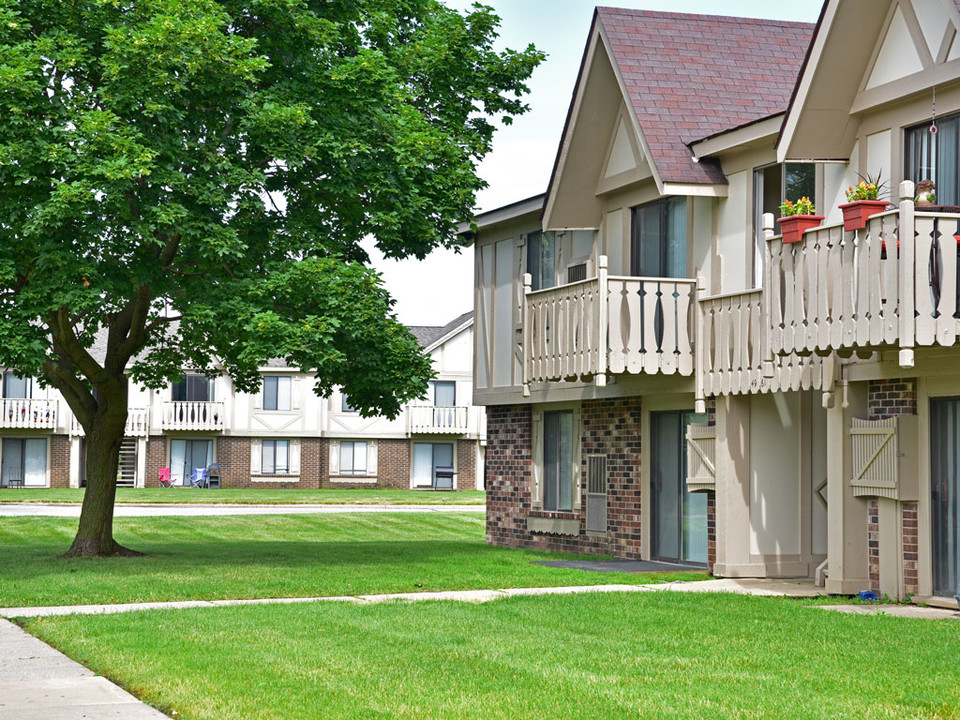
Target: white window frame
279, 380
537, 481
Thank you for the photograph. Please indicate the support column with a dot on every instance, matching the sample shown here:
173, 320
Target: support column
733, 489
846, 515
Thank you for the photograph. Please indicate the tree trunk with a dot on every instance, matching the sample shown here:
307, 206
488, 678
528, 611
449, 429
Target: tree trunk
103, 438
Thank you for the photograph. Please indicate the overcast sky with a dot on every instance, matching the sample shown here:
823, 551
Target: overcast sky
440, 288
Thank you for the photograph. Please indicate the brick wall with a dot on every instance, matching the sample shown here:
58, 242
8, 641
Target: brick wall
888, 398
911, 539
873, 544
466, 478
314, 462
156, 459
393, 464
59, 461
608, 427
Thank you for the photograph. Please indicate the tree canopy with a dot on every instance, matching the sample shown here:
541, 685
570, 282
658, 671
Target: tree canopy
193, 177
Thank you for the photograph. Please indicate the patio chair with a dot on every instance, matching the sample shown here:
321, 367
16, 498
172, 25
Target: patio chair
15, 481
213, 475
198, 478
165, 479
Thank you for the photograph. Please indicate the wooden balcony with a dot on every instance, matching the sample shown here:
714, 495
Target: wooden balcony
880, 288
607, 325
456, 420
138, 423
192, 415
28, 414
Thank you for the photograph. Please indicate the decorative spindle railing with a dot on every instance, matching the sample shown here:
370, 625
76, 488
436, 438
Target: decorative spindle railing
454, 420
608, 324
192, 415
877, 288
26, 413
137, 423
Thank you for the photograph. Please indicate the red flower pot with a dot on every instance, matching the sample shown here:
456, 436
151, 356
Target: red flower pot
855, 214
792, 227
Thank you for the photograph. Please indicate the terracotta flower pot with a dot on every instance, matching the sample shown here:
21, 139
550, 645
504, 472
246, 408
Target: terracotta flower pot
855, 214
792, 227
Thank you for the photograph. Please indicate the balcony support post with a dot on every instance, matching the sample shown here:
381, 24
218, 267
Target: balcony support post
699, 401
601, 322
768, 234
908, 265
525, 337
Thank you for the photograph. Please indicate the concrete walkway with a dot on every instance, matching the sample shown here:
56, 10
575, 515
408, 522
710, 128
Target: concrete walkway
72, 510
39, 683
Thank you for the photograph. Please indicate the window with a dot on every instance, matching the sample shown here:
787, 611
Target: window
276, 392
345, 405
188, 455
771, 186
275, 457
427, 457
444, 393
558, 460
353, 457
15, 386
541, 255
24, 459
935, 157
193, 388
658, 239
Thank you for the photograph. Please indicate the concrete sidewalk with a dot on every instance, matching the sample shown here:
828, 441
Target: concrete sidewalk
39, 683
198, 510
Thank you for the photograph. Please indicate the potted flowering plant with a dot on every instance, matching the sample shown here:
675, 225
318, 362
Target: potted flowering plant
797, 218
925, 193
862, 202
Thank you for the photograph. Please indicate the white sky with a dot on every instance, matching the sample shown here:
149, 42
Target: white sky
438, 289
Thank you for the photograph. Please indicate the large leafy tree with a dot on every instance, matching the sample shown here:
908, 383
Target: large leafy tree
191, 179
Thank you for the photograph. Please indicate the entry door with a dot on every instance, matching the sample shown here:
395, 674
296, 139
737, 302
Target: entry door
945, 493
678, 517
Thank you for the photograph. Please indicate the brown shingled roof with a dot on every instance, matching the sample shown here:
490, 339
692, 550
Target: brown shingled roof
693, 76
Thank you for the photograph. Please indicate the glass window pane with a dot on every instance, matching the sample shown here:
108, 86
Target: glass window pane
16, 387
676, 239
799, 180
360, 457
442, 455
551, 443
422, 464
281, 463
35, 462
947, 164
268, 456
12, 465
284, 388
345, 404
178, 460
547, 260
178, 393
565, 461
270, 393
346, 457
533, 259
444, 393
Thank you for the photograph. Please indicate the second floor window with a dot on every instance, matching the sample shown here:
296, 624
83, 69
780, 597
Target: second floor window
345, 405
658, 239
276, 392
444, 393
15, 386
193, 388
935, 157
541, 259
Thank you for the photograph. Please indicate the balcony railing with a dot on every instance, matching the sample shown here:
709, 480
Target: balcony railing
732, 358
26, 413
608, 324
192, 415
137, 423
456, 420
878, 288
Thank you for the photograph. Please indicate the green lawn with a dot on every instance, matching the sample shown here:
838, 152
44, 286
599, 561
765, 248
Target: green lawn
270, 497
648, 655
271, 556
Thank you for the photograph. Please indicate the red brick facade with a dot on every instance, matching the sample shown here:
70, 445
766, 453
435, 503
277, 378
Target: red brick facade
886, 399
59, 461
393, 463
156, 459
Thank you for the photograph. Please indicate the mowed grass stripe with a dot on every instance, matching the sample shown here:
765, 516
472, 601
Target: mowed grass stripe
258, 496
215, 558
649, 655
